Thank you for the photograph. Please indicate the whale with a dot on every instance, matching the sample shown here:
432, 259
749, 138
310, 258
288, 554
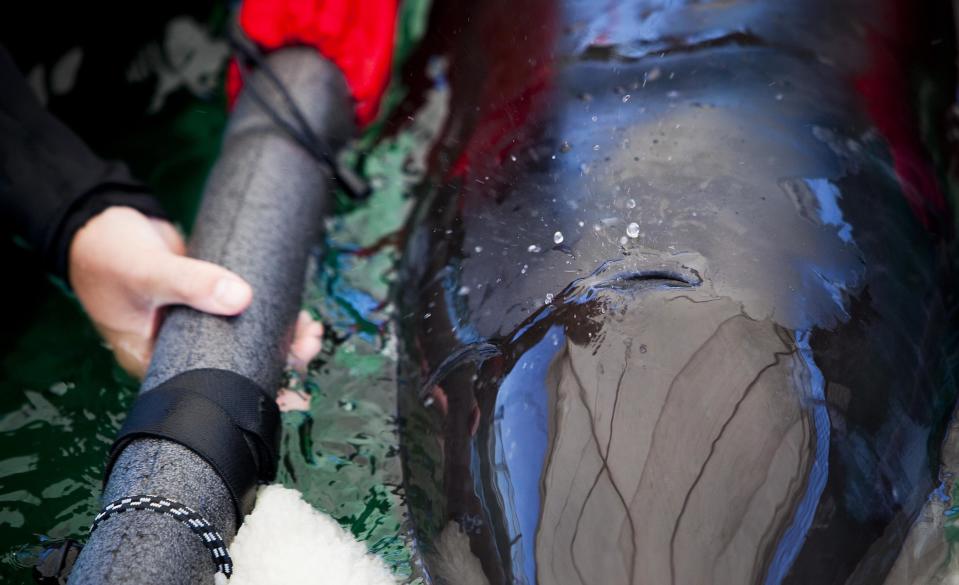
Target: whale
675, 298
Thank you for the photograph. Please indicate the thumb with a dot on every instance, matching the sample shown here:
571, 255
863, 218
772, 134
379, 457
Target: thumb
179, 280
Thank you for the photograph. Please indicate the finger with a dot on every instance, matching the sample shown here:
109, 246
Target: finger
170, 236
179, 280
132, 351
289, 400
307, 342
307, 325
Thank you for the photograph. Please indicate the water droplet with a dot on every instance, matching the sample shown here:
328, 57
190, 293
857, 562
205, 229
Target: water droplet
549, 298
626, 98
631, 204
565, 147
642, 348
581, 223
558, 238
779, 97
533, 248
632, 230
512, 157
463, 291
427, 315
594, 118
478, 249
523, 271
622, 241
595, 147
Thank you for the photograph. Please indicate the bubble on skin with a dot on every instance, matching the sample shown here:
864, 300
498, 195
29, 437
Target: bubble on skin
626, 98
632, 230
631, 203
558, 238
594, 118
533, 248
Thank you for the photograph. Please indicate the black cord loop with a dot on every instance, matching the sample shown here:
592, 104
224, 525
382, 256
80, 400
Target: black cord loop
194, 521
249, 57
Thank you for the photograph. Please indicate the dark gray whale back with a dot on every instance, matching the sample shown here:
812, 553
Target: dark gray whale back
671, 310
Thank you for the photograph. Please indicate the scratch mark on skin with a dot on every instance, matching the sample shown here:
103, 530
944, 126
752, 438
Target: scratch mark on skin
692, 300
796, 478
579, 463
609, 442
605, 467
669, 393
712, 450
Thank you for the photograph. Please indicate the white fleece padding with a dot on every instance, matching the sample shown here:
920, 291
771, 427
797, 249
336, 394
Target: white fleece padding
286, 540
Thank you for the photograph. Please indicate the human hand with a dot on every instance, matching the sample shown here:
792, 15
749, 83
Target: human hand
307, 343
125, 266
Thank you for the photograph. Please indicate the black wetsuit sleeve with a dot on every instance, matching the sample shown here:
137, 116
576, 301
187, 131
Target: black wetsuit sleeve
51, 183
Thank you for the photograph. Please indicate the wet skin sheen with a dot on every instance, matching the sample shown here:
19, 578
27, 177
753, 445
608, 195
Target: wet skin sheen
669, 313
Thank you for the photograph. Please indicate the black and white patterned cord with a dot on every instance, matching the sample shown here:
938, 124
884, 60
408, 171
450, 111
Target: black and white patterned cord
193, 520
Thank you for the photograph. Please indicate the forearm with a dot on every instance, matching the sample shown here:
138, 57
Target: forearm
51, 183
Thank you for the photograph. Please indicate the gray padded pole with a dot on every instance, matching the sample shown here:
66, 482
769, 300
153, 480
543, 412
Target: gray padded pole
262, 210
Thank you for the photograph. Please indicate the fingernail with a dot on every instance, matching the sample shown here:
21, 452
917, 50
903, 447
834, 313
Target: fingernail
231, 293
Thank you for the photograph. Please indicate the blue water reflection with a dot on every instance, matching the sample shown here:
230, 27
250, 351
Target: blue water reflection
518, 449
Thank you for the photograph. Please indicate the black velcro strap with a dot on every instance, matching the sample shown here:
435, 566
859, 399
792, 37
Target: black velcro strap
223, 417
